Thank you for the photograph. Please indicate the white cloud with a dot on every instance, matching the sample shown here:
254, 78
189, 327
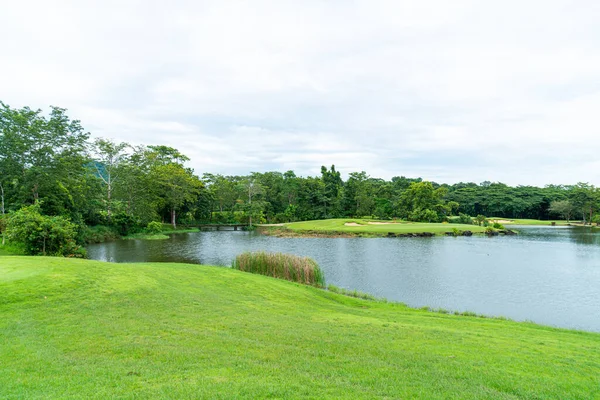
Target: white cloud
451, 91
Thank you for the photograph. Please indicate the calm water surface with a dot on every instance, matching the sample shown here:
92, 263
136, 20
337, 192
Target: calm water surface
549, 275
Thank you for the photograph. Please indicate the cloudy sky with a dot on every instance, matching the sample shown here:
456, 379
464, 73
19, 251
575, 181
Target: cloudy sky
447, 90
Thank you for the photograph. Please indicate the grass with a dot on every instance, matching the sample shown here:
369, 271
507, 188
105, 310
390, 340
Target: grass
167, 230
8, 248
402, 227
87, 329
284, 266
353, 293
511, 221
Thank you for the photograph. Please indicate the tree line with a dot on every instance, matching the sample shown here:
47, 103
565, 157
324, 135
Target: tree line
49, 161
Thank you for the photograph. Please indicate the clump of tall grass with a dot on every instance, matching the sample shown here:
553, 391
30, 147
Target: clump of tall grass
283, 266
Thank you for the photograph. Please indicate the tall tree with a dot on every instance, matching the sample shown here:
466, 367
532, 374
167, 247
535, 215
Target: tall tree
109, 160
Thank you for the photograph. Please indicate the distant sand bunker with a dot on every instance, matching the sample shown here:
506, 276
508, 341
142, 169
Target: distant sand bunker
503, 221
352, 224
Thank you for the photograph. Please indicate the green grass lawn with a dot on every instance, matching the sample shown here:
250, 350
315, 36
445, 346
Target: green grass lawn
338, 225
87, 329
510, 221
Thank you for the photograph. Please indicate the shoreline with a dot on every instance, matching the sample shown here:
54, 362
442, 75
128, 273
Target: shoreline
282, 231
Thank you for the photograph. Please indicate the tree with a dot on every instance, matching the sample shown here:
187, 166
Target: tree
563, 208
333, 193
41, 234
42, 158
420, 199
480, 219
110, 157
3, 223
178, 185
253, 188
584, 199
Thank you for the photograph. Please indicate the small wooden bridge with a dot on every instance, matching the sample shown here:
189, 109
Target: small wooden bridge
222, 227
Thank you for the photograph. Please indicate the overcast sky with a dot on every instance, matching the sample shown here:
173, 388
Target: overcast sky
447, 90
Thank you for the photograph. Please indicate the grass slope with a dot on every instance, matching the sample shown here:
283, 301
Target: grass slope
87, 329
338, 225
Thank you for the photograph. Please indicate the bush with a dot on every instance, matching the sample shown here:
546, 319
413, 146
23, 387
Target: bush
41, 234
497, 225
481, 220
124, 223
154, 228
284, 266
97, 234
465, 219
426, 215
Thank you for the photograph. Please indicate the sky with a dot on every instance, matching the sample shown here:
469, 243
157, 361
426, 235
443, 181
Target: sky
448, 91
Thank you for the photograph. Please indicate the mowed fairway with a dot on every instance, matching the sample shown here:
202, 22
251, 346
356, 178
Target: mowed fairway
87, 329
364, 226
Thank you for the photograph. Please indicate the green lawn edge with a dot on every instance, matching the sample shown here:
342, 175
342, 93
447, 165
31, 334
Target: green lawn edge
81, 328
336, 227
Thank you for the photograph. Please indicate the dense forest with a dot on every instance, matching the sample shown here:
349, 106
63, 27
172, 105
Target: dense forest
50, 166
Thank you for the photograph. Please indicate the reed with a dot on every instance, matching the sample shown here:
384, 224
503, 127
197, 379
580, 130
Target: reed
283, 266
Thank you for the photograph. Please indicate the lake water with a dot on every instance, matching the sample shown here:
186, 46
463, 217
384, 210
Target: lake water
549, 275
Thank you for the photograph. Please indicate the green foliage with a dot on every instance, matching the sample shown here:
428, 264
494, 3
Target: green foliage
154, 228
47, 158
284, 266
464, 219
97, 234
562, 208
124, 223
490, 230
480, 219
456, 232
497, 225
41, 234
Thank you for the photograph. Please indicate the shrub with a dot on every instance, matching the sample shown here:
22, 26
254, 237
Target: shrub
123, 222
41, 234
154, 228
97, 234
284, 266
489, 230
480, 219
497, 225
461, 219
426, 215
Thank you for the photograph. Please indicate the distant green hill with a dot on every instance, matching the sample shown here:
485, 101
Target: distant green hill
87, 329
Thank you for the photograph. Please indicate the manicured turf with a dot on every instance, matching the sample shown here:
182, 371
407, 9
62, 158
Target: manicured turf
87, 329
338, 225
509, 221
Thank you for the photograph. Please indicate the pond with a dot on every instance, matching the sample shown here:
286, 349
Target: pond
548, 275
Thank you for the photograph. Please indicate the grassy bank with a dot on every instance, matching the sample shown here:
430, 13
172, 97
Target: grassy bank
167, 230
375, 228
87, 329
